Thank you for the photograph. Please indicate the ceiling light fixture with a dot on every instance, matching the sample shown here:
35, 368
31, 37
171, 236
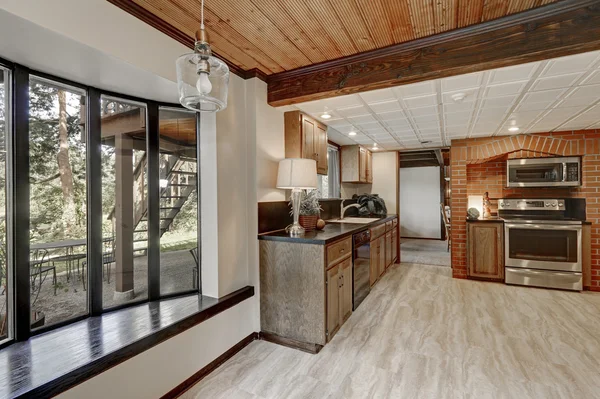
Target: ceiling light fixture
352, 133
202, 79
513, 129
326, 115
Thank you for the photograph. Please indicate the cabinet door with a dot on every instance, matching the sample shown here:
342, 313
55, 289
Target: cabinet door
333, 300
346, 290
369, 167
395, 245
321, 149
308, 138
374, 266
382, 250
362, 165
388, 249
485, 250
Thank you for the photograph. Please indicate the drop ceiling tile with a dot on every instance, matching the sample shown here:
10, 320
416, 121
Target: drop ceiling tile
424, 111
388, 106
556, 82
351, 100
377, 131
513, 73
505, 89
547, 96
594, 78
462, 82
368, 124
458, 117
498, 102
586, 91
570, 64
423, 101
339, 123
524, 118
416, 89
397, 122
392, 116
345, 129
559, 113
353, 111
577, 102
527, 106
362, 119
492, 112
375, 96
459, 107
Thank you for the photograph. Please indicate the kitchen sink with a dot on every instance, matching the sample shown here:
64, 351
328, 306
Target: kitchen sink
354, 220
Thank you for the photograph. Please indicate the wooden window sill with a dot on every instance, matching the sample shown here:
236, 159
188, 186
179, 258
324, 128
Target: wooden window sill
51, 363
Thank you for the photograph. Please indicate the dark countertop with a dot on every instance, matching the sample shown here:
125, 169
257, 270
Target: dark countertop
331, 233
492, 219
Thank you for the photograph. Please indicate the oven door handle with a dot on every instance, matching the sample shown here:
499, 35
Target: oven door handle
543, 226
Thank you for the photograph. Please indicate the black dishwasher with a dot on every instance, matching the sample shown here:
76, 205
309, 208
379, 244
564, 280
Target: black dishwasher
361, 256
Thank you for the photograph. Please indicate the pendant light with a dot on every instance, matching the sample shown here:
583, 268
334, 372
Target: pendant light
202, 79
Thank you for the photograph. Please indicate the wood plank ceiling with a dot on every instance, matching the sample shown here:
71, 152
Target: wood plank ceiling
273, 36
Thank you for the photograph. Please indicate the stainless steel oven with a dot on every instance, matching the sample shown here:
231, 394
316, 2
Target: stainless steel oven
543, 172
542, 244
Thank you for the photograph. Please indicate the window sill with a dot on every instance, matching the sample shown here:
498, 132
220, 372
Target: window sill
51, 363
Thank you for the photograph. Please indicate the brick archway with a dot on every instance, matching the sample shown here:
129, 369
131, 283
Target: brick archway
521, 146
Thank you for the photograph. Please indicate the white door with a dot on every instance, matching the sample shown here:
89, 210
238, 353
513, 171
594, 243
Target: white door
420, 197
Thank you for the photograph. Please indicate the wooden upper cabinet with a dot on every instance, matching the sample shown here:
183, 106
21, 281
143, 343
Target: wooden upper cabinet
356, 164
369, 170
306, 138
485, 250
321, 147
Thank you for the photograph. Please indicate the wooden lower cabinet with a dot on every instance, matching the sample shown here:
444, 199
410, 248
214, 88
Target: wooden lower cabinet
381, 262
388, 249
374, 265
485, 250
395, 245
339, 295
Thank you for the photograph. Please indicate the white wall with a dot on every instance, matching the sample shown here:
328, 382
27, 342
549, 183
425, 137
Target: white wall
385, 179
420, 202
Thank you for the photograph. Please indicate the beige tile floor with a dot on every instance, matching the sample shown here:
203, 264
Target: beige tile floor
422, 334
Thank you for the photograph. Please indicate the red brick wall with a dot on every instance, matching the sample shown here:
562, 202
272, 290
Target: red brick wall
479, 165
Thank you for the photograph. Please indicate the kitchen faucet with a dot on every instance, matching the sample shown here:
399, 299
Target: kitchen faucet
344, 209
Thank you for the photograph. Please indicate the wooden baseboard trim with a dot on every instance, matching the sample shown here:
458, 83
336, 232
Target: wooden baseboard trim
290, 343
209, 368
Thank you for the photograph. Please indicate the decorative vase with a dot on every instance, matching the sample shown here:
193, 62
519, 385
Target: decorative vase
309, 222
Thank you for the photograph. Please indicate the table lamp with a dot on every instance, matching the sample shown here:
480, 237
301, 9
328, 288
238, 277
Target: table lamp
297, 174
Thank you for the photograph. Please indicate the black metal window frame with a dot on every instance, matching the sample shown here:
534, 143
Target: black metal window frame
18, 197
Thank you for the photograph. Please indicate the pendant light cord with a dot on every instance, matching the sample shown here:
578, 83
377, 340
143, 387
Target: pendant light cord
202, 15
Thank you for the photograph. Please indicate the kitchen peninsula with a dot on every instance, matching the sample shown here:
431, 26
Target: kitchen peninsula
307, 283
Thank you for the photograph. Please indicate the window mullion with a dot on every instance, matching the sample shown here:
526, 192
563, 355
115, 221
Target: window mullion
19, 240
94, 200
154, 221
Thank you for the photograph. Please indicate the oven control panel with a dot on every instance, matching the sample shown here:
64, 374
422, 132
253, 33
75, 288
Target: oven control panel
532, 204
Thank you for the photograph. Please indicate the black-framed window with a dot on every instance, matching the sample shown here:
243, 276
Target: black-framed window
86, 221
57, 202
179, 262
124, 201
5, 271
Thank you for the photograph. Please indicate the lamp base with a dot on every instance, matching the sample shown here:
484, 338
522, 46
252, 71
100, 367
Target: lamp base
295, 230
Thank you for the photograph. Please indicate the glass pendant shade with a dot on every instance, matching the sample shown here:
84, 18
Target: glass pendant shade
200, 90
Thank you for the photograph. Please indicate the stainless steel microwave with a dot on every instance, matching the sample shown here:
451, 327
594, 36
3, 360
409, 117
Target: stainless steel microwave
544, 172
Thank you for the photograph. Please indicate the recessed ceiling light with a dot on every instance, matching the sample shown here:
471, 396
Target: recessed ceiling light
375, 148
352, 134
513, 129
374, 144
325, 115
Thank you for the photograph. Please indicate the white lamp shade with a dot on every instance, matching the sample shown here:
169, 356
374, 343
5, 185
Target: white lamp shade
297, 173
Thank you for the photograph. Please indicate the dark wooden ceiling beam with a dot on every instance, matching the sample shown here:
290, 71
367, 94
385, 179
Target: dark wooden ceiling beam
563, 28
